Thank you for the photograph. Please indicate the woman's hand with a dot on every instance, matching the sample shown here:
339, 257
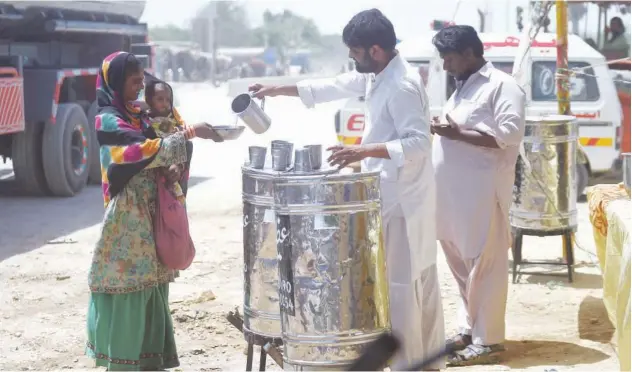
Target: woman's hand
174, 173
206, 131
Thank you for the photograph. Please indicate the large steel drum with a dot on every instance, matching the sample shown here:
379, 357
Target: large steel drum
545, 189
333, 287
261, 298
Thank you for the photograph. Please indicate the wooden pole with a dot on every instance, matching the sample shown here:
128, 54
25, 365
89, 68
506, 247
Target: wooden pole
562, 76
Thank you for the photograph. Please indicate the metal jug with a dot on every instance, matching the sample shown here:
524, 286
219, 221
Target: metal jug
254, 116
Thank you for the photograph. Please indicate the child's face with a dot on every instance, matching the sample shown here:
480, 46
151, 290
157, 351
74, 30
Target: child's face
161, 101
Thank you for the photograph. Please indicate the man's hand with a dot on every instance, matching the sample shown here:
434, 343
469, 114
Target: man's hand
261, 91
449, 130
342, 156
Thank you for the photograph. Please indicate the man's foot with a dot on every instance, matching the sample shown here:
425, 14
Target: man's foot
475, 354
458, 342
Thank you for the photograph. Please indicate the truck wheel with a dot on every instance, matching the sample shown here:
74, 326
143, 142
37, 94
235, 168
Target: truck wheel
94, 173
66, 151
26, 155
582, 180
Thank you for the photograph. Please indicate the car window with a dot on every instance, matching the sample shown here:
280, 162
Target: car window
583, 85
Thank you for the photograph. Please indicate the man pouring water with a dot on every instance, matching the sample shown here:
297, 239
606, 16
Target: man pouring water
396, 143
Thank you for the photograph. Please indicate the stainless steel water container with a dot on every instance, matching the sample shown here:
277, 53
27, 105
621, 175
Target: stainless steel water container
545, 188
261, 298
333, 290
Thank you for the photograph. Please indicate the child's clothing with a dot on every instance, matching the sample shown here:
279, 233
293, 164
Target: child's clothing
165, 126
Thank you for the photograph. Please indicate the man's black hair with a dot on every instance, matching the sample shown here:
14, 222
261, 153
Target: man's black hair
619, 21
369, 28
457, 39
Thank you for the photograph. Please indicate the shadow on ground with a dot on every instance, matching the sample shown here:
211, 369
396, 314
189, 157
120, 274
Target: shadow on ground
533, 353
28, 223
592, 322
557, 277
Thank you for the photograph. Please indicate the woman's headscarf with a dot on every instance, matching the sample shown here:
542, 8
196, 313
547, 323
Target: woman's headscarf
127, 142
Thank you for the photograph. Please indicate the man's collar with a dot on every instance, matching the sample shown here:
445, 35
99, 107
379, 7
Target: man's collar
390, 67
484, 71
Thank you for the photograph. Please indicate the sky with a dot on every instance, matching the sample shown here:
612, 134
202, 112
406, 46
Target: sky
410, 17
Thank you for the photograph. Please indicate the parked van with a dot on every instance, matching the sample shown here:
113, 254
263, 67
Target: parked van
594, 99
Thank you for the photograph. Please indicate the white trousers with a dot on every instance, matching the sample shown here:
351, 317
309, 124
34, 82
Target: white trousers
483, 285
415, 307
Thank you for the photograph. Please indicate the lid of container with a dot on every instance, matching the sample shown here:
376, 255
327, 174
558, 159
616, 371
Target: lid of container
550, 118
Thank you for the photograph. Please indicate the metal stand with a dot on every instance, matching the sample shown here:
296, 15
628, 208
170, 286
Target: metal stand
268, 346
516, 249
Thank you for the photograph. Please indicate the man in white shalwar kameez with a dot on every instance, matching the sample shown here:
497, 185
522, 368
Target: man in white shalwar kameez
474, 154
396, 142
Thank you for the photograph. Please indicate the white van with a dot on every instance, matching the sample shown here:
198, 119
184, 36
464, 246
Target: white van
594, 98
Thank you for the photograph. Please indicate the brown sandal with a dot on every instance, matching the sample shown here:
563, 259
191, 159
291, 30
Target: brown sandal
458, 342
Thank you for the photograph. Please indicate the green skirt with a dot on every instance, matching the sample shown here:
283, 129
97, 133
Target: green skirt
132, 331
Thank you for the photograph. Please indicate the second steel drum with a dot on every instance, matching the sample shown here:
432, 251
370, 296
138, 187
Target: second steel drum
333, 289
545, 188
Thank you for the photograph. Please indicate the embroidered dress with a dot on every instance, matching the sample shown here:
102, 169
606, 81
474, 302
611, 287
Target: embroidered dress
129, 322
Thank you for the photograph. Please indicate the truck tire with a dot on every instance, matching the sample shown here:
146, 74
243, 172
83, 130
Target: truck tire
583, 176
94, 173
65, 151
26, 155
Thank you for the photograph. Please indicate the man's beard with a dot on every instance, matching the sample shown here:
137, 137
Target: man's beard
368, 65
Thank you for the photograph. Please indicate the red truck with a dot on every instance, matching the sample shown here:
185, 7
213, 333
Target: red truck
50, 54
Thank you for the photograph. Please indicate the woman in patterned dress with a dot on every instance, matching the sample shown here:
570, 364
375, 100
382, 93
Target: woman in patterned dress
129, 322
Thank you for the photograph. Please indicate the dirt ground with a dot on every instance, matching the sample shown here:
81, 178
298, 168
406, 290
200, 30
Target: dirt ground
550, 323
46, 246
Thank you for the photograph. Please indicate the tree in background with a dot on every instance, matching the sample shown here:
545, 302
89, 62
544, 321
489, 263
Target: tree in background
281, 30
233, 28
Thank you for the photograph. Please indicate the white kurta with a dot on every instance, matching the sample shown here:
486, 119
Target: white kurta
397, 114
475, 186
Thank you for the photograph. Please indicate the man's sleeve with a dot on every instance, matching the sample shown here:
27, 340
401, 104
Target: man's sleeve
508, 106
409, 109
348, 85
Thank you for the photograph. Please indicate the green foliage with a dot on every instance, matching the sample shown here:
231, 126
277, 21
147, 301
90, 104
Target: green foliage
281, 30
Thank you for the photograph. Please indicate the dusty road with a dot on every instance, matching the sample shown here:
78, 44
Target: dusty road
46, 245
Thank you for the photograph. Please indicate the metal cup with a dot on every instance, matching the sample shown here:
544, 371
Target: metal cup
285, 144
280, 158
302, 160
316, 155
257, 156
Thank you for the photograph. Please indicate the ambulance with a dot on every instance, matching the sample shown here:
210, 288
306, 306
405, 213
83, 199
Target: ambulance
594, 99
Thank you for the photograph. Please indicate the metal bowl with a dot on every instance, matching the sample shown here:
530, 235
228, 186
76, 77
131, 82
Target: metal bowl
229, 132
